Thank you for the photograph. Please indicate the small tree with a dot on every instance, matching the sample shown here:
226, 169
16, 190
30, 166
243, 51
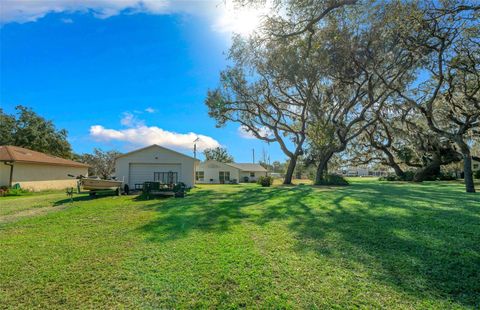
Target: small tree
219, 154
102, 163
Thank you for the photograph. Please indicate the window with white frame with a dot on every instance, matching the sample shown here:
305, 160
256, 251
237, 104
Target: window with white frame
166, 177
199, 175
224, 176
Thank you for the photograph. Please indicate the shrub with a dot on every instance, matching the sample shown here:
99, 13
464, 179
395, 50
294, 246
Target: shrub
333, 179
390, 177
446, 177
3, 190
16, 192
407, 176
265, 181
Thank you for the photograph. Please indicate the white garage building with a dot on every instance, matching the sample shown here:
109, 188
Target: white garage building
155, 164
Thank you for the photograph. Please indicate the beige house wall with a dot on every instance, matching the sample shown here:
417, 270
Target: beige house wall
4, 174
211, 170
38, 177
258, 174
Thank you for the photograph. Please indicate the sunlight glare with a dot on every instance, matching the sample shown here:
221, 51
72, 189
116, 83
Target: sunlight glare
243, 21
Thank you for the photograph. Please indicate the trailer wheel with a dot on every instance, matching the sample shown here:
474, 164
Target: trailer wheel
92, 193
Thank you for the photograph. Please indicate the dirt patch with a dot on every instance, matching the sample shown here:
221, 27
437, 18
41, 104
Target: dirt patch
30, 213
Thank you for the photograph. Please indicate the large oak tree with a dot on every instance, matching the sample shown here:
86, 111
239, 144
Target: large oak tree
29, 130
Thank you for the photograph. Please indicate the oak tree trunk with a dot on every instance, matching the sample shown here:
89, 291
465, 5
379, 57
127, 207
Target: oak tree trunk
392, 163
428, 172
322, 168
467, 166
290, 169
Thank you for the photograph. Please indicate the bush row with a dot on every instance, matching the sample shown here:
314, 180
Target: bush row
408, 176
333, 179
265, 181
10, 191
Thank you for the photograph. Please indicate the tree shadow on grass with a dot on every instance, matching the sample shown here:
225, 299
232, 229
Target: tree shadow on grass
421, 239
75, 199
205, 210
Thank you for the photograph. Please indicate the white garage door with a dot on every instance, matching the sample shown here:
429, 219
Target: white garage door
140, 173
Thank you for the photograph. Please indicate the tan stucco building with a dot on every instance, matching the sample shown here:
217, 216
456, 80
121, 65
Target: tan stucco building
37, 171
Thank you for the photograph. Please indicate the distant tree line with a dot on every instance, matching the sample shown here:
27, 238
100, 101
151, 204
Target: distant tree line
390, 82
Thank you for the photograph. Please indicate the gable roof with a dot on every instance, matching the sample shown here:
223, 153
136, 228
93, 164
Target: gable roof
155, 145
19, 154
247, 167
208, 164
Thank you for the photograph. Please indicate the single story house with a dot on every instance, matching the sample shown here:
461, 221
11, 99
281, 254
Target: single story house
362, 171
37, 171
155, 163
475, 163
212, 171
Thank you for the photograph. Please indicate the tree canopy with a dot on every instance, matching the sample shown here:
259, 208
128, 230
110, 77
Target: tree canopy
27, 129
102, 163
219, 154
392, 82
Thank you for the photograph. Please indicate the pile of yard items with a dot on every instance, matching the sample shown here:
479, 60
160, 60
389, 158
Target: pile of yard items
152, 189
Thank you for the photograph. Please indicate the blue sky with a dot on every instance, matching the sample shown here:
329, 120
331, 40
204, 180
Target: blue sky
121, 77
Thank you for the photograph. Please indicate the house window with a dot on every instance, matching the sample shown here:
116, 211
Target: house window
199, 175
475, 166
224, 176
166, 177
252, 174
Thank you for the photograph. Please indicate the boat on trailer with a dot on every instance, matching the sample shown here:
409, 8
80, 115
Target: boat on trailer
94, 185
98, 184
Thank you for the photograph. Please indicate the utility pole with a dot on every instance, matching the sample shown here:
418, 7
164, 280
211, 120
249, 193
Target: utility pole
253, 156
195, 159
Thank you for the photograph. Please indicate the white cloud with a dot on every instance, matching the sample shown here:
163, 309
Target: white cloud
144, 135
246, 134
138, 134
150, 110
67, 20
130, 120
31, 10
223, 15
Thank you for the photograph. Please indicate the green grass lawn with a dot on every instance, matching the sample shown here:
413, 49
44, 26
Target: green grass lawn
370, 245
